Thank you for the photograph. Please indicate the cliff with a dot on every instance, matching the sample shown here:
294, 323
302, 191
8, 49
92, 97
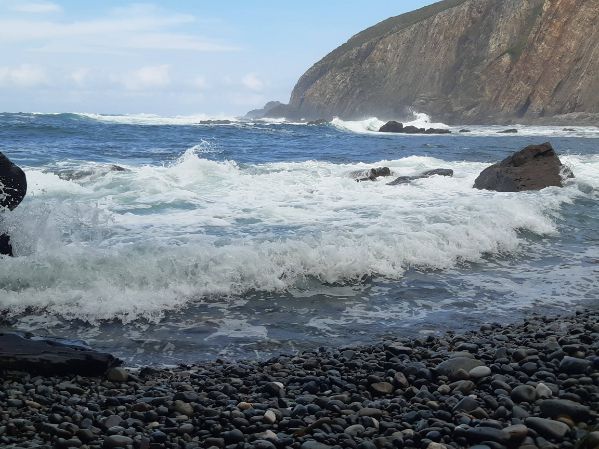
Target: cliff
463, 61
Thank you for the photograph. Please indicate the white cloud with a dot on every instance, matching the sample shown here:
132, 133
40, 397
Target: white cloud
251, 81
133, 28
200, 83
36, 7
80, 76
148, 77
24, 75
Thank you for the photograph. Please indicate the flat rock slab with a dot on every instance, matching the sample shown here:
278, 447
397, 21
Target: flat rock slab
50, 358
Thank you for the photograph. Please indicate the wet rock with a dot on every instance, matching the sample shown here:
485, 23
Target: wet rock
533, 168
49, 357
508, 131
427, 174
391, 127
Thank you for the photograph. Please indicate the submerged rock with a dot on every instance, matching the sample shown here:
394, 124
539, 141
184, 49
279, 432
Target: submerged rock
508, 131
49, 357
426, 174
533, 168
370, 174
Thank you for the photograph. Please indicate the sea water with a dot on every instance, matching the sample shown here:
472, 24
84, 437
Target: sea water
179, 239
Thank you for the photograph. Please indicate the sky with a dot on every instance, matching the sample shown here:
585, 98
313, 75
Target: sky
176, 57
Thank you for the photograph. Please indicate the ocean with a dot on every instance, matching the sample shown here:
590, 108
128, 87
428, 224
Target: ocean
167, 240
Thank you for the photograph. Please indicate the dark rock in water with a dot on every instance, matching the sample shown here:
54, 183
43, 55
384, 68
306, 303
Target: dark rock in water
48, 357
215, 122
13, 188
318, 122
371, 174
465, 130
437, 131
396, 127
13, 184
391, 127
115, 167
568, 129
508, 131
426, 174
533, 168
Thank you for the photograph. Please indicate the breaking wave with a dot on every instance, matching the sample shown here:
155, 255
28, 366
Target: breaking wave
135, 243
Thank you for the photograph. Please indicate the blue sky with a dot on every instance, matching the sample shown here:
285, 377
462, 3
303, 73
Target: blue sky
170, 58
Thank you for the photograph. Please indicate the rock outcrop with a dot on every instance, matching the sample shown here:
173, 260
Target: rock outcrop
13, 188
49, 357
463, 61
399, 128
533, 168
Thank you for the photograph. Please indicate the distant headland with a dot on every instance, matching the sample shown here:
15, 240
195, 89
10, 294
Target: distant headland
462, 61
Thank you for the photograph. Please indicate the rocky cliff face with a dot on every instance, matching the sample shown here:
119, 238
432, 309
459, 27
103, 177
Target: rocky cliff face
462, 61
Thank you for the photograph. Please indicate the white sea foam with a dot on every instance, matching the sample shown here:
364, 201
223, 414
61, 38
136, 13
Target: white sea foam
152, 119
372, 125
137, 243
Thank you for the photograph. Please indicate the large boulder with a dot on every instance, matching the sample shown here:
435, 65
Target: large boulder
391, 127
46, 357
533, 168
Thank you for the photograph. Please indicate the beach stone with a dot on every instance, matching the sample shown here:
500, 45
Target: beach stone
274, 389
114, 441
117, 374
543, 391
524, 393
263, 444
573, 365
355, 430
516, 432
450, 367
270, 417
466, 404
382, 387
479, 372
112, 421
553, 408
548, 427
369, 411
481, 434
184, 408
233, 436
312, 444
244, 406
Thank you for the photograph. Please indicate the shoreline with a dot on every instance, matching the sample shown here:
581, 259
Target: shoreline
534, 384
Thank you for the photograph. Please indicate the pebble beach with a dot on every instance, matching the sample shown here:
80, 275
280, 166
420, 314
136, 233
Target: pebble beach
530, 385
